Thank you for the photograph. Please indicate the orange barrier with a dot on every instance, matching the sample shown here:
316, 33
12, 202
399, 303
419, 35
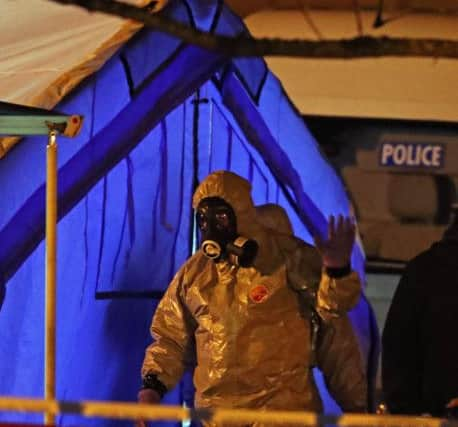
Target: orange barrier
130, 410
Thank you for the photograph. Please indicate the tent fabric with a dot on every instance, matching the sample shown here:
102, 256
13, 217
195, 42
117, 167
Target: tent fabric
44, 63
107, 147
156, 122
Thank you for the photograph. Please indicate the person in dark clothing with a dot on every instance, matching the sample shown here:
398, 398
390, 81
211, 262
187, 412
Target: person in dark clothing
420, 346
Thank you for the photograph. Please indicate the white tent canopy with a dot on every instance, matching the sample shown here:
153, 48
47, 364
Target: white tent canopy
400, 88
47, 48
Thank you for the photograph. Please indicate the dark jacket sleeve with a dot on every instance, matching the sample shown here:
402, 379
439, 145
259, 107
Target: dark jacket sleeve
401, 350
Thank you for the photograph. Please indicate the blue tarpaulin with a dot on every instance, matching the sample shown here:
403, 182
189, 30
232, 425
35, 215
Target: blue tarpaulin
159, 116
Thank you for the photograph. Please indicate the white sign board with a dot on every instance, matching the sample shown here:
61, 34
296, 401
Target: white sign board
409, 154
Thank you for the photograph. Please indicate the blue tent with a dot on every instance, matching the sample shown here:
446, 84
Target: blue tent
159, 116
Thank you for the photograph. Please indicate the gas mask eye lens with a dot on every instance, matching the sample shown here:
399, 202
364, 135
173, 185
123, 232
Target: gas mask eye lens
222, 219
202, 221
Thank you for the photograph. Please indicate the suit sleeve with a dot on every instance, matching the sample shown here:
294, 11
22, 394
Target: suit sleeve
172, 330
340, 360
400, 349
338, 295
332, 295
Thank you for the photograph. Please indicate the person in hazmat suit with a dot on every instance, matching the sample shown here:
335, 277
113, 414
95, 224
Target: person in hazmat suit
336, 355
244, 310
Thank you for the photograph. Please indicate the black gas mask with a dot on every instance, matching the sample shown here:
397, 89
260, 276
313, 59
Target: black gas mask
218, 226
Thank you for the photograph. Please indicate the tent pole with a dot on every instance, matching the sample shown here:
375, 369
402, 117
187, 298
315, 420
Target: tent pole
50, 292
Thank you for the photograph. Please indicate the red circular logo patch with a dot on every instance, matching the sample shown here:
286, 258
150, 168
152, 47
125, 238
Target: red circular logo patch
259, 293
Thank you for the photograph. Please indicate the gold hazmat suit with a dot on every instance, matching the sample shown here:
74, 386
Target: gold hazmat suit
248, 331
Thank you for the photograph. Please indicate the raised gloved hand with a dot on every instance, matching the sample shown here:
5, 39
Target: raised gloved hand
336, 250
148, 396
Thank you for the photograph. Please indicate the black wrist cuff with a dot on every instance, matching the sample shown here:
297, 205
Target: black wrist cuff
337, 273
151, 381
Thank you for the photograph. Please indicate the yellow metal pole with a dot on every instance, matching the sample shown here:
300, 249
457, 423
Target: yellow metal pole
50, 293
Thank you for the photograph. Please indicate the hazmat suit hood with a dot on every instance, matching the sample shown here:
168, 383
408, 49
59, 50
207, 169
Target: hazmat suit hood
236, 191
274, 217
